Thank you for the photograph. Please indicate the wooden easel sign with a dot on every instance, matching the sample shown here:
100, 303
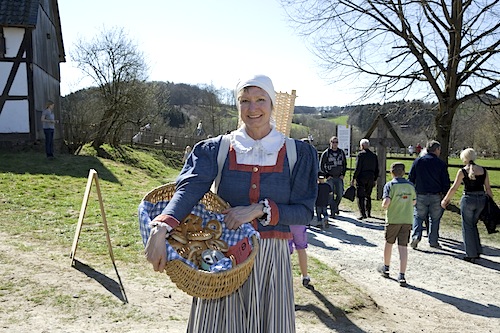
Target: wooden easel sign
93, 178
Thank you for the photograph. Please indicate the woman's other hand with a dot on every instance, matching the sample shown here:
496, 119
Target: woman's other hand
156, 251
239, 215
444, 203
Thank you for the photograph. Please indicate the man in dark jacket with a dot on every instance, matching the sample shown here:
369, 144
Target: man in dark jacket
333, 164
365, 176
430, 176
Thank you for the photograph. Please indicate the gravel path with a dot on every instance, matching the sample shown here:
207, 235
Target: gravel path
444, 293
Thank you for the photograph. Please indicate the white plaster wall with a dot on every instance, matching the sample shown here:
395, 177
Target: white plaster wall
4, 73
13, 39
15, 117
20, 84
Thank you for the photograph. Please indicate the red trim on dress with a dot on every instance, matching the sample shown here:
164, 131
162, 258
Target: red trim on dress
170, 220
275, 213
256, 170
275, 234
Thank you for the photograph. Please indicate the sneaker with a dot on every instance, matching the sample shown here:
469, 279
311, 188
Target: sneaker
402, 281
305, 281
383, 270
436, 246
362, 217
325, 222
414, 243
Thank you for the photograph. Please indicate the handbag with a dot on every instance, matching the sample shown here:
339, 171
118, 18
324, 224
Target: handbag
350, 193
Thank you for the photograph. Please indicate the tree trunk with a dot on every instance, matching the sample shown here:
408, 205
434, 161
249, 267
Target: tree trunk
443, 124
99, 139
103, 129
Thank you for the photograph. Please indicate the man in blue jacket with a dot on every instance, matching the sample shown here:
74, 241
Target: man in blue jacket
430, 176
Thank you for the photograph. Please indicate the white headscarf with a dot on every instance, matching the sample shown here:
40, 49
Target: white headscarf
260, 81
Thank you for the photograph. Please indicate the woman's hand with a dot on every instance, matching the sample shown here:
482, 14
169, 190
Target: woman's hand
444, 203
239, 215
156, 251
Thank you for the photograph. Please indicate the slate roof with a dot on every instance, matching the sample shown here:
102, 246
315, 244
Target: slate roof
20, 13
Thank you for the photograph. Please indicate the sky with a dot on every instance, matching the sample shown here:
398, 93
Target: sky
208, 42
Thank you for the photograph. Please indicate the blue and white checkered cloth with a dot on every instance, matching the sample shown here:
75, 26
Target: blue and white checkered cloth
148, 211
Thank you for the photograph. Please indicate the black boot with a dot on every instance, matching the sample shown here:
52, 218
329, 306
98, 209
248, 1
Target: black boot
362, 210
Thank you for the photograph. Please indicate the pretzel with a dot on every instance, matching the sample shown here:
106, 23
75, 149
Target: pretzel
197, 245
200, 235
178, 236
214, 227
195, 257
217, 244
192, 222
190, 239
181, 249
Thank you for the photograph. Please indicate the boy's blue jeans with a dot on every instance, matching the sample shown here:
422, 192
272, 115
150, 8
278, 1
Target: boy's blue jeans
321, 212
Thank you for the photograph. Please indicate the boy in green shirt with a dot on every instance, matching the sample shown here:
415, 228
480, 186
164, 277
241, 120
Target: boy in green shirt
399, 197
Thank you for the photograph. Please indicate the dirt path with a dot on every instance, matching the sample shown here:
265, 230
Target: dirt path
40, 292
444, 293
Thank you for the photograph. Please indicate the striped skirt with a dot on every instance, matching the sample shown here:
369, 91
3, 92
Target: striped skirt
264, 304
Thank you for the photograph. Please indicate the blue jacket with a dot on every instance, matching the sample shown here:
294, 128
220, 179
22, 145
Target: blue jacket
293, 196
430, 175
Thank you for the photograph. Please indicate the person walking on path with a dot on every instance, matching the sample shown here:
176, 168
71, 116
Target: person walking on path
365, 176
430, 176
477, 186
399, 197
322, 200
48, 124
333, 164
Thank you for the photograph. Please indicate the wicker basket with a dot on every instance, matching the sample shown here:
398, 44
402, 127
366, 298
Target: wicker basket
199, 283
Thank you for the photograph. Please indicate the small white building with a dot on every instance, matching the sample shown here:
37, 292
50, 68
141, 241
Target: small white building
31, 50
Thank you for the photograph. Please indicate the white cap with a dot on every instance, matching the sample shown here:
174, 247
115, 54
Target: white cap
260, 81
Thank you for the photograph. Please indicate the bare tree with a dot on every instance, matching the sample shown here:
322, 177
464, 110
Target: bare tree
78, 114
118, 68
444, 50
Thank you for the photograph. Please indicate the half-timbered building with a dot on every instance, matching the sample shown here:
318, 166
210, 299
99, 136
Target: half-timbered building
31, 50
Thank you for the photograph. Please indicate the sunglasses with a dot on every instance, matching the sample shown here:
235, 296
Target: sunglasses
334, 141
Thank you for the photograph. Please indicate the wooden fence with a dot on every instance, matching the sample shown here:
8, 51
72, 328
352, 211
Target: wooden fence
179, 143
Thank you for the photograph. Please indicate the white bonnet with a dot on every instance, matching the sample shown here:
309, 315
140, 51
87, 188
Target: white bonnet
260, 81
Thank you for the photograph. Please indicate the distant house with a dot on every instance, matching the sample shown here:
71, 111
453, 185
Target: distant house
31, 50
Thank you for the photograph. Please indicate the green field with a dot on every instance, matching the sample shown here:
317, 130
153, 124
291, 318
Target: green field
341, 120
